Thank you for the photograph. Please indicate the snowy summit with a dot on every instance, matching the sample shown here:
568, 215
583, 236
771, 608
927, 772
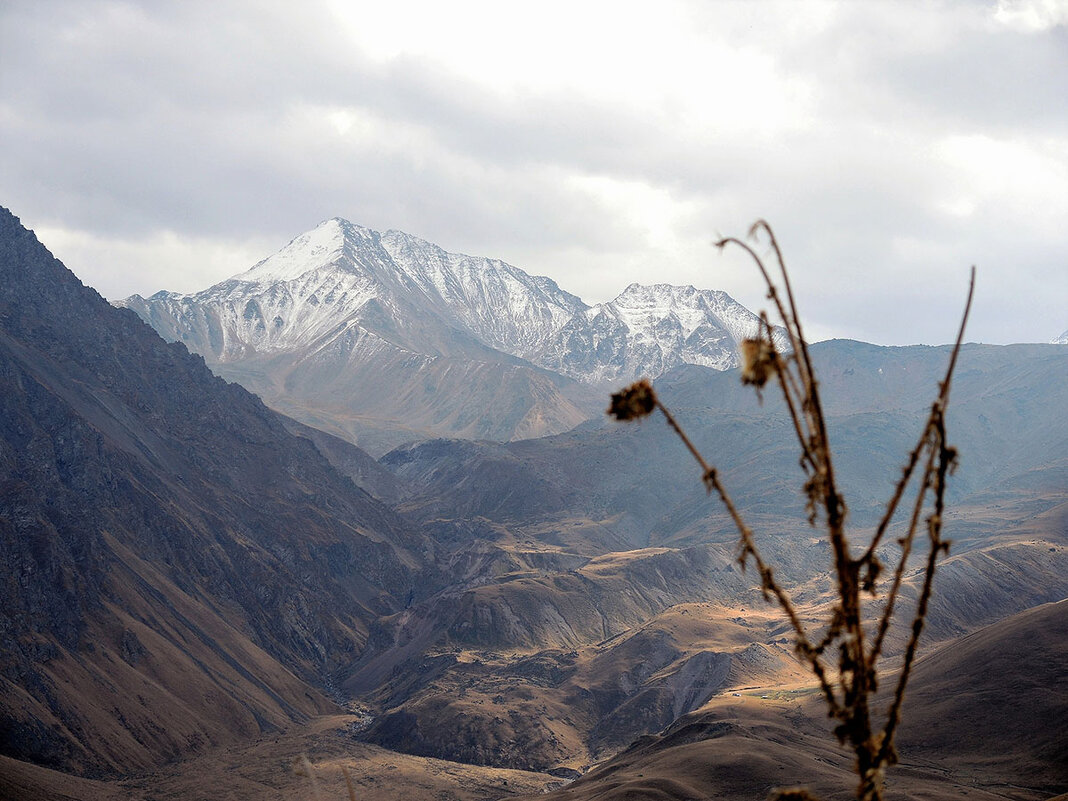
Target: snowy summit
393, 289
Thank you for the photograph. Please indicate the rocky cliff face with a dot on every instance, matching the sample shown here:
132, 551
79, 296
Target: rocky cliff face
178, 569
980, 715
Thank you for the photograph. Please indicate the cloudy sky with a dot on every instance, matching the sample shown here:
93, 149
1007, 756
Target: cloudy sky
891, 145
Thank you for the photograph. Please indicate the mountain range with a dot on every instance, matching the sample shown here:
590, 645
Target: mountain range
196, 590
386, 338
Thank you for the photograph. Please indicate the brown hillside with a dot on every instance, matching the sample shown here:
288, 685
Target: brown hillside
984, 719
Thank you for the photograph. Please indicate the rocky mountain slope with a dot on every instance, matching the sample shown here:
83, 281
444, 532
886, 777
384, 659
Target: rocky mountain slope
178, 570
384, 338
1005, 416
184, 573
340, 276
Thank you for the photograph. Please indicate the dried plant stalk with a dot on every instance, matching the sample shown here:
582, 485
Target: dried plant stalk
848, 687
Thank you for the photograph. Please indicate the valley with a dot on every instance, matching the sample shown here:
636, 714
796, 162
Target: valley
504, 593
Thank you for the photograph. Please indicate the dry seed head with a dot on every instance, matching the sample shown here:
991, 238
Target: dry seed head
871, 575
636, 401
758, 361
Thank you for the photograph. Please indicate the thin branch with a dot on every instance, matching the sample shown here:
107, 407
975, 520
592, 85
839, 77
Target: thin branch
710, 478
947, 457
940, 402
849, 697
906, 551
786, 380
937, 546
899, 492
794, 319
773, 294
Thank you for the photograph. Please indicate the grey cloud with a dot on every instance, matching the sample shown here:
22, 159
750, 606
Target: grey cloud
945, 64
180, 117
125, 131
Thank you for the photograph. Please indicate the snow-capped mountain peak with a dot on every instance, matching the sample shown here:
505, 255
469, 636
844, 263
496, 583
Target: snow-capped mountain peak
644, 307
500, 304
324, 245
343, 283
648, 329
385, 337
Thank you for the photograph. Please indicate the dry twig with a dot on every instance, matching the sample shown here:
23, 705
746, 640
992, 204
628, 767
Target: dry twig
849, 687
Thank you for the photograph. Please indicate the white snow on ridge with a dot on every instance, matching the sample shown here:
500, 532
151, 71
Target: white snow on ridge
656, 327
641, 305
502, 305
320, 246
332, 283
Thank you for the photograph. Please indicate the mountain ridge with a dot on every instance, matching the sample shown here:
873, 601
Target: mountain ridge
179, 571
342, 308
502, 306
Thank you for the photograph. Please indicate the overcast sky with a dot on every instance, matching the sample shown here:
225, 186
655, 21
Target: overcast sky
891, 145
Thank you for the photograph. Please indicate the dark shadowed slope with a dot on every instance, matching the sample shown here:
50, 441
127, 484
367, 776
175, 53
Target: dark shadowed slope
995, 703
176, 567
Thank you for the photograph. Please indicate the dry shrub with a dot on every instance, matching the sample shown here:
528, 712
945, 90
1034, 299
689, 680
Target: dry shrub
845, 659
